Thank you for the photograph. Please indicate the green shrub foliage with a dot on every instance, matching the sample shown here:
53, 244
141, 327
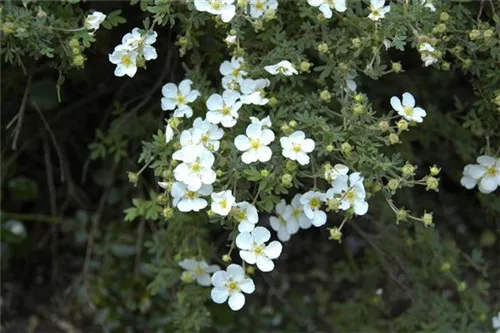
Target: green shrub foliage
321, 166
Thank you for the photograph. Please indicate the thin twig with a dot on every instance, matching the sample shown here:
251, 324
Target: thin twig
53, 209
54, 141
20, 114
138, 248
32, 217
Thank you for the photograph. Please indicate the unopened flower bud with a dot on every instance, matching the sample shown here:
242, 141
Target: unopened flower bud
273, 101
408, 170
401, 215
73, 43
335, 234
286, 180
167, 213
360, 98
434, 170
393, 184
187, 277
358, 109
264, 173
226, 258
396, 67
174, 122
445, 66
427, 219
75, 50
290, 165
330, 148
356, 42
292, 123
250, 270
132, 177
384, 126
325, 96
474, 34
445, 266
257, 25
393, 138
488, 34
432, 183
322, 48
166, 173
305, 66
78, 60
161, 199
219, 173
444, 16
402, 125
286, 129
211, 213
346, 148
462, 286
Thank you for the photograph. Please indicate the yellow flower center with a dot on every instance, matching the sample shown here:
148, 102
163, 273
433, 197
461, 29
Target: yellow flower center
226, 110
255, 143
126, 61
259, 5
216, 4
223, 203
375, 12
296, 212
258, 249
191, 195
232, 286
408, 110
350, 195
204, 138
236, 72
492, 171
199, 271
242, 215
296, 148
180, 99
196, 167
315, 203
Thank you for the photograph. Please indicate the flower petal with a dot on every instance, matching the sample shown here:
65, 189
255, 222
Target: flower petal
219, 295
236, 272
265, 264
219, 278
260, 235
273, 250
236, 301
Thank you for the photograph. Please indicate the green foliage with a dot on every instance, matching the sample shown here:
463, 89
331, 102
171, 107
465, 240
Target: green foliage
89, 162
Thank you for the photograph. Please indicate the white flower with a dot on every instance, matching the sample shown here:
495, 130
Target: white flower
253, 91
125, 61
186, 200
486, 174
230, 284
169, 134
231, 70
378, 10
94, 20
190, 141
178, 98
224, 8
294, 213
259, 7
312, 201
224, 109
427, 54
351, 193
230, 39
428, 4
199, 270
283, 226
222, 202
350, 83
296, 147
247, 216
496, 322
408, 110
264, 123
255, 144
284, 67
196, 169
254, 250
326, 6
208, 133
332, 173
142, 43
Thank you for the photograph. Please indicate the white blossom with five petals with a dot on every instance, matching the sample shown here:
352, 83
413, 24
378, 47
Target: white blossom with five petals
230, 284
253, 248
222, 202
255, 144
199, 270
377, 10
407, 109
283, 67
296, 147
178, 98
326, 6
485, 174
224, 109
312, 202
350, 191
186, 200
283, 226
246, 215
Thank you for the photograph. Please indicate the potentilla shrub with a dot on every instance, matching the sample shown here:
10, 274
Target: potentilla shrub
272, 122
